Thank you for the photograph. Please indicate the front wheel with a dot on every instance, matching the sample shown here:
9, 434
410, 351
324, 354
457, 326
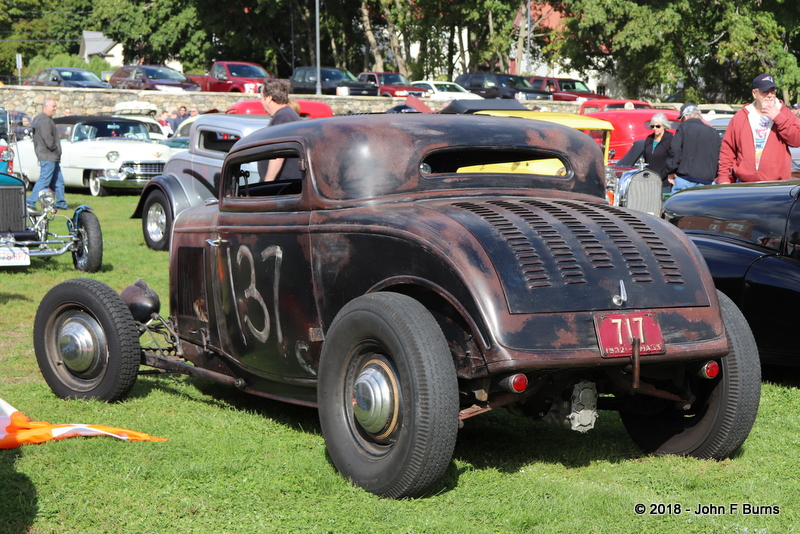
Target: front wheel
96, 187
388, 396
726, 406
86, 341
87, 255
156, 221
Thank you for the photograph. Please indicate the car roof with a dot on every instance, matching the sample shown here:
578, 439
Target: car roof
393, 146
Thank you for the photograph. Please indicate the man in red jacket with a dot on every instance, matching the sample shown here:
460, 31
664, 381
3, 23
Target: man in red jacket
756, 144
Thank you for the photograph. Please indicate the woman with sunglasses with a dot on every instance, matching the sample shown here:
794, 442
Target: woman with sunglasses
656, 148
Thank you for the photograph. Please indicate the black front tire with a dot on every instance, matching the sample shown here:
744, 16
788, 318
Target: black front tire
88, 253
86, 341
388, 396
725, 409
156, 221
96, 187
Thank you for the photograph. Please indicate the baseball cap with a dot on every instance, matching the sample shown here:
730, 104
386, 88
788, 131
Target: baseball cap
764, 82
688, 109
796, 106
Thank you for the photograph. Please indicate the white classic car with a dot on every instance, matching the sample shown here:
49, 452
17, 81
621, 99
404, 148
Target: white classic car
102, 153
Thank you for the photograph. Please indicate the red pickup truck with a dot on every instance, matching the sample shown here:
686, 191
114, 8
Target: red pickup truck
391, 84
232, 77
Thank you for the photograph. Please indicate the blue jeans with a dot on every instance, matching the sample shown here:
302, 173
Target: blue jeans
50, 177
682, 183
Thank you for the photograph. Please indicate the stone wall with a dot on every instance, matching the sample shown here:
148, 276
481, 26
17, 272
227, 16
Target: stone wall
102, 101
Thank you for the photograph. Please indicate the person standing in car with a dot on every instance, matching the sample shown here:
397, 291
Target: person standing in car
756, 144
693, 152
48, 151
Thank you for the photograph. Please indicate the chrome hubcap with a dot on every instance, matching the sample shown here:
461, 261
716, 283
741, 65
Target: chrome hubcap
375, 399
81, 343
156, 222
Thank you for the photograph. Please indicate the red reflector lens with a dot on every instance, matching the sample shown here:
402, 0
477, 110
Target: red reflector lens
519, 383
710, 369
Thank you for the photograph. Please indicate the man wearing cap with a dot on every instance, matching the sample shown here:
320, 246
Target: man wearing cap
694, 151
756, 144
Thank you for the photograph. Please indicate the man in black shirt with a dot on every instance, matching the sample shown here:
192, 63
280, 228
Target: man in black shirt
694, 151
275, 98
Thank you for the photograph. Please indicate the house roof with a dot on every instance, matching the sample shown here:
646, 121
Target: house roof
95, 44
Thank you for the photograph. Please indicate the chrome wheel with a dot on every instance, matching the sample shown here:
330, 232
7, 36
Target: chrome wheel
156, 222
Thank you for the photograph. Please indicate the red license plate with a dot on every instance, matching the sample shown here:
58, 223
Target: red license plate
616, 331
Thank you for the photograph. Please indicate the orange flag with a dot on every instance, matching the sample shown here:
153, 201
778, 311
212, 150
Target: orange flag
16, 429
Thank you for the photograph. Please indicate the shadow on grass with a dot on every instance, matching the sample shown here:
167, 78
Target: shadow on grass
5, 298
300, 418
18, 497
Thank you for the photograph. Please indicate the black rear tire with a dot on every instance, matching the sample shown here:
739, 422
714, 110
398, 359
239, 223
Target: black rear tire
86, 341
725, 409
88, 253
156, 221
388, 396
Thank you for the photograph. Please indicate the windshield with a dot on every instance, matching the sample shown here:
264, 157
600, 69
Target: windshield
513, 81
79, 76
575, 86
90, 130
247, 71
163, 73
336, 75
450, 88
393, 79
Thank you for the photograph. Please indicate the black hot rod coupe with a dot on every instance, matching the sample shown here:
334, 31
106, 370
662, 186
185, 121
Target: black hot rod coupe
407, 272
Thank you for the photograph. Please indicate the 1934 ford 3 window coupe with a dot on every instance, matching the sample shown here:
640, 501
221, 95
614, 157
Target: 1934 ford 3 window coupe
406, 273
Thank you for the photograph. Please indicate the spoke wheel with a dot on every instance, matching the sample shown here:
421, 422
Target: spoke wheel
388, 396
87, 255
86, 341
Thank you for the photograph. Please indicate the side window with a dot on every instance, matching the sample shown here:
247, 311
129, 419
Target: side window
490, 81
216, 70
245, 178
476, 80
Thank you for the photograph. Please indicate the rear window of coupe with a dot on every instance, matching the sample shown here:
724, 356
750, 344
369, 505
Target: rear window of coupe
493, 161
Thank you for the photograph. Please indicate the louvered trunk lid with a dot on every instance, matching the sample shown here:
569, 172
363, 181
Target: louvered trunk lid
570, 256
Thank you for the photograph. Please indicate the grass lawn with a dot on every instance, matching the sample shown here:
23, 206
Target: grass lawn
239, 463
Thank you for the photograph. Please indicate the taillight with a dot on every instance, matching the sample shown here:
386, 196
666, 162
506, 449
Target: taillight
709, 370
515, 383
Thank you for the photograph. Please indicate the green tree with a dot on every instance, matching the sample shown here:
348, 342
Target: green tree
37, 63
713, 48
154, 31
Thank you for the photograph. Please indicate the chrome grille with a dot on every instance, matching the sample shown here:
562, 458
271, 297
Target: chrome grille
12, 208
145, 169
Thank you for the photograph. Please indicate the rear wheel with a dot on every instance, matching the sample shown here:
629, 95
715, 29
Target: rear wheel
388, 396
87, 255
86, 341
156, 221
726, 406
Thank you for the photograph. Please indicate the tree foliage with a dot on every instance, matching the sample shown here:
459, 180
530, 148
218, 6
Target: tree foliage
709, 49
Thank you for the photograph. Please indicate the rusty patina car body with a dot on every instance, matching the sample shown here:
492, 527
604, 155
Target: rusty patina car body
389, 281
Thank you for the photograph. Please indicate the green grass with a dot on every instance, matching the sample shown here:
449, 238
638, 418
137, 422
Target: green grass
238, 463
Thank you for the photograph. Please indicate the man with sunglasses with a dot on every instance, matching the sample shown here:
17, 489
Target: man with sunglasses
694, 151
756, 144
